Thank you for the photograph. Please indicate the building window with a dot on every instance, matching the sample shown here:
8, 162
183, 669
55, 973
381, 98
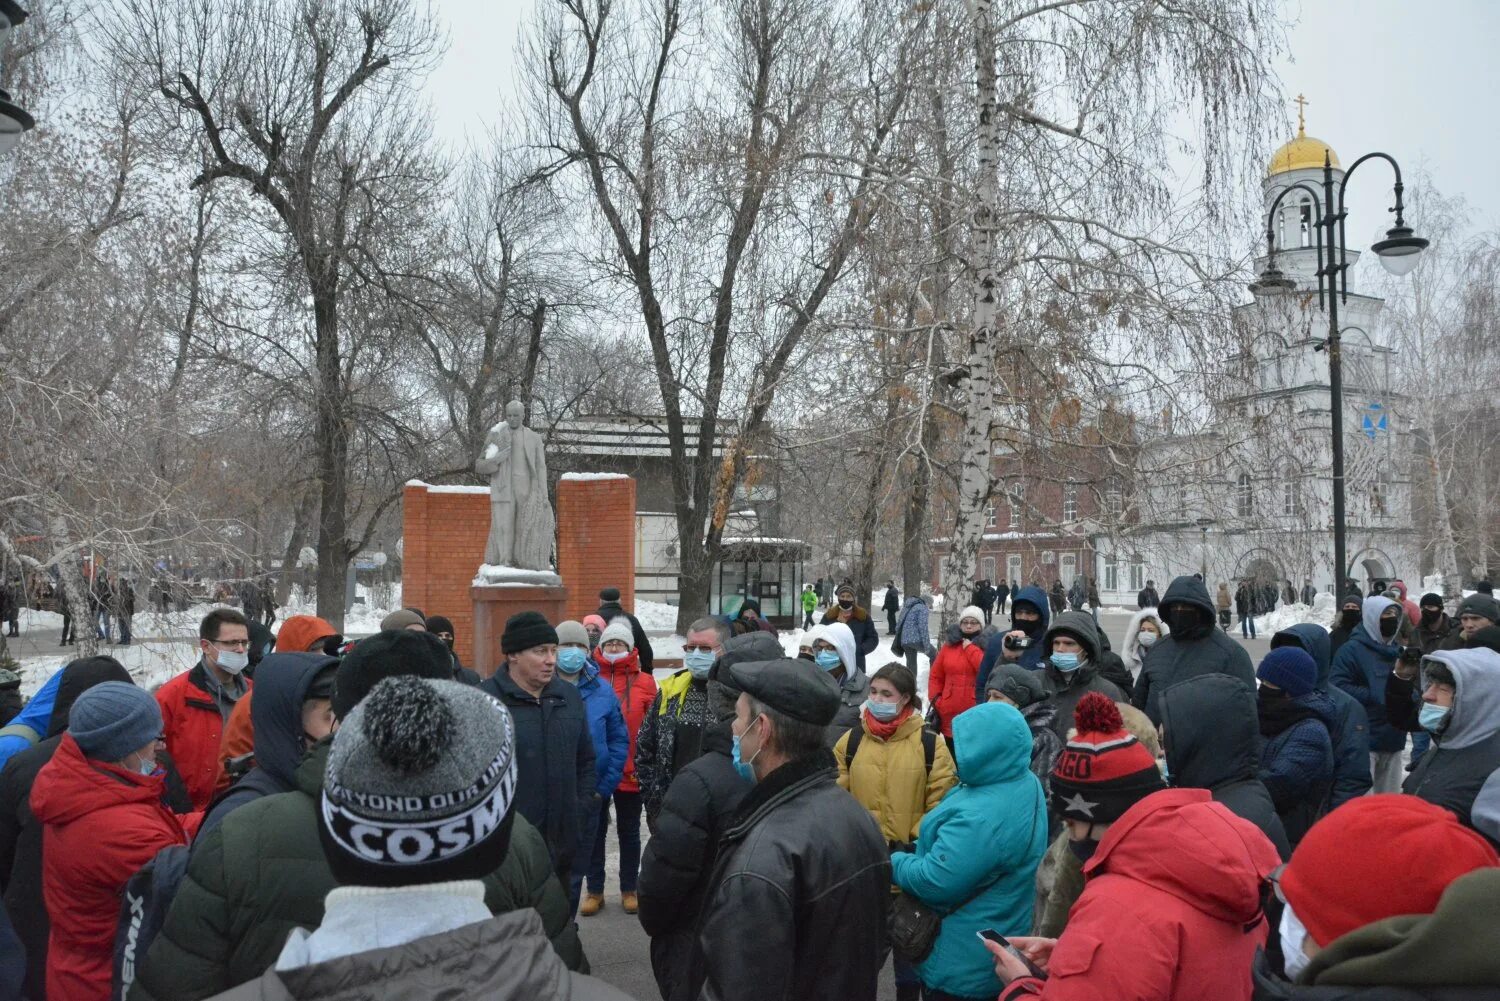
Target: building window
1182, 499
1244, 496
1070, 502
1069, 568
1111, 575
1017, 501
1378, 505
1013, 566
1306, 225
1289, 497
987, 568
1115, 497
989, 516
1137, 572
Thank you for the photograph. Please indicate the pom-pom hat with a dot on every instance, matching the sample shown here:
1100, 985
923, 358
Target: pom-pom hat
1104, 770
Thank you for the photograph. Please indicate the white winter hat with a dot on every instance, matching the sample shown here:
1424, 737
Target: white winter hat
972, 612
618, 629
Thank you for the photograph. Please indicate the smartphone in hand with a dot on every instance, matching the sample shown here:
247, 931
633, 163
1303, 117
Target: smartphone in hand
991, 935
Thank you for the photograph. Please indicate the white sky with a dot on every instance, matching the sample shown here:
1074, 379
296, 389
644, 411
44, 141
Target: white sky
1416, 80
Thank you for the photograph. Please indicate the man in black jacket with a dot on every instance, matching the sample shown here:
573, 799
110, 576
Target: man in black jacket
857, 618
679, 858
555, 752
1350, 610
611, 609
798, 898
1195, 646
1148, 598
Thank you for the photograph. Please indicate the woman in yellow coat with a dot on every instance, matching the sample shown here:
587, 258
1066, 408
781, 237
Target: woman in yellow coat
898, 770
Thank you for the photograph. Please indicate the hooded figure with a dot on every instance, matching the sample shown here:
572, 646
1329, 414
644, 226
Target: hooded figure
1344, 622
866, 640
1350, 729
1211, 742
1032, 599
21, 835
1296, 721
977, 852
1465, 752
1194, 647
1066, 688
1361, 668
283, 684
854, 684
1134, 657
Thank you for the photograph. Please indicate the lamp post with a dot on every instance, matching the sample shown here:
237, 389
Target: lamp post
1203, 524
1398, 255
13, 118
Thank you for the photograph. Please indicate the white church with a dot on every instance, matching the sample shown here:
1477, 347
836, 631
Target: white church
1252, 498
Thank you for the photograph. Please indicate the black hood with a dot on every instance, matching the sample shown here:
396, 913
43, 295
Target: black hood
1189, 591
1212, 732
78, 677
281, 684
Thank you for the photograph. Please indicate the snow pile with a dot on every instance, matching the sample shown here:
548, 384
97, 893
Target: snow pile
489, 575
1320, 612
150, 664
656, 617
593, 476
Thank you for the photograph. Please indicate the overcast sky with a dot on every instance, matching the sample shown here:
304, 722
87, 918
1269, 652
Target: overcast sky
1416, 80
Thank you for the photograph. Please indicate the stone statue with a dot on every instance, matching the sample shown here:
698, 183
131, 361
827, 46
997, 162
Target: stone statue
521, 524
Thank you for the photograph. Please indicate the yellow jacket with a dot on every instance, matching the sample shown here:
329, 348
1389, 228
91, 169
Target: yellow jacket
890, 778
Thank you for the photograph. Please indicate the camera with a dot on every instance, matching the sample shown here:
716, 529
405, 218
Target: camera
1411, 654
1018, 642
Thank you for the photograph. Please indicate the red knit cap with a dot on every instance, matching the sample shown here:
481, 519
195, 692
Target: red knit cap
1376, 857
1104, 770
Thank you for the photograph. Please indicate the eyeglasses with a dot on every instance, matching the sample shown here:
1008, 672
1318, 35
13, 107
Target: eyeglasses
699, 648
231, 644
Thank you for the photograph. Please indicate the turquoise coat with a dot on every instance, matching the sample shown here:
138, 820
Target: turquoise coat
993, 824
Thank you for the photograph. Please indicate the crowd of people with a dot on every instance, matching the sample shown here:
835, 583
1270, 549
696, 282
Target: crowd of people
305, 816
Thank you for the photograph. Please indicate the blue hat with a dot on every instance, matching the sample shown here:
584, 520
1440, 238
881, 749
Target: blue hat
112, 719
1291, 669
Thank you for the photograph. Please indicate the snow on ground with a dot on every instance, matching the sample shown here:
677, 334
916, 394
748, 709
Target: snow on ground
657, 617
149, 663
1320, 612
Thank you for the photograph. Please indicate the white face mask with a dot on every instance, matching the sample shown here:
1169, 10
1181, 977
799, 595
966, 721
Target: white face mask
146, 766
1146, 639
1293, 935
232, 661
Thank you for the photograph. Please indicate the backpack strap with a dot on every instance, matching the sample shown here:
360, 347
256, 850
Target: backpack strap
929, 748
856, 734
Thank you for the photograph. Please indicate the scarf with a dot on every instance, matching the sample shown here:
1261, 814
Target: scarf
885, 731
1279, 715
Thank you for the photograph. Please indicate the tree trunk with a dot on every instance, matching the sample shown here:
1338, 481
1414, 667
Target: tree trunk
333, 456
974, 474
79, 607
301, 516
695, 569
869, 524
538, 320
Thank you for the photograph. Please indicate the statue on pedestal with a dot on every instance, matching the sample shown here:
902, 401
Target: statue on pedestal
521, 523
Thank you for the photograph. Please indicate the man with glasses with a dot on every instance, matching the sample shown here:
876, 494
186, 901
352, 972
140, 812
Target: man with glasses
196, 703
671, 735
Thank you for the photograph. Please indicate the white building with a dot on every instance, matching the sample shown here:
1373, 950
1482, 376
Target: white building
1252, 497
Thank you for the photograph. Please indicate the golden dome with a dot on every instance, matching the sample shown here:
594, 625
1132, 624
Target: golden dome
1302, 152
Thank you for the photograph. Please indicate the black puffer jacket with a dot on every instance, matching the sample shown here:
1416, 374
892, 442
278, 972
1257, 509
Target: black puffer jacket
281, 684
803, 879
1065, 691
679, 859
1204, 649
555, 761
1213, 742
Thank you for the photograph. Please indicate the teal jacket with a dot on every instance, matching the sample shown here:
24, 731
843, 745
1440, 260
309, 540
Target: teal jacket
993, 824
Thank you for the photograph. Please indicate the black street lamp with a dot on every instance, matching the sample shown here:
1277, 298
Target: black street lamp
1398, 255
13, 118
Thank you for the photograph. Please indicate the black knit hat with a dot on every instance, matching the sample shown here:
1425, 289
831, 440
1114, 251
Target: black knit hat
420, 786
609, 594
525, 630
385, 655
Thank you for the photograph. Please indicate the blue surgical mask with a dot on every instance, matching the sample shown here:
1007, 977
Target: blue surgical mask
570, 659
1432, 716
699, 663
883, 711
742, 767
1067, 663
828, 660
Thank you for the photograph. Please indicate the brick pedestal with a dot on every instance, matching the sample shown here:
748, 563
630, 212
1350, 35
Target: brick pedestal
595, 540
493, 604
443, 532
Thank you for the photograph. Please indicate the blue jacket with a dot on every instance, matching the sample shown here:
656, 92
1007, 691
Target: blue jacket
1296, 764
990, 829
1030, 659
30, 725
1350, 729
606, 727
1361, 667
914, 626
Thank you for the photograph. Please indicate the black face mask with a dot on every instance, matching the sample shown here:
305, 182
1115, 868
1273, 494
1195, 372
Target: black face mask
1430, 616
1388, 627
846, 602
1270, 695
1349, 619
1027, 626
1181, 620
1083, 850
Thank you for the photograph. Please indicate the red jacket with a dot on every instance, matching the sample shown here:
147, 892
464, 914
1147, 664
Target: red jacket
1170, 908
636, 691
193, 729
950, 685
101, 823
